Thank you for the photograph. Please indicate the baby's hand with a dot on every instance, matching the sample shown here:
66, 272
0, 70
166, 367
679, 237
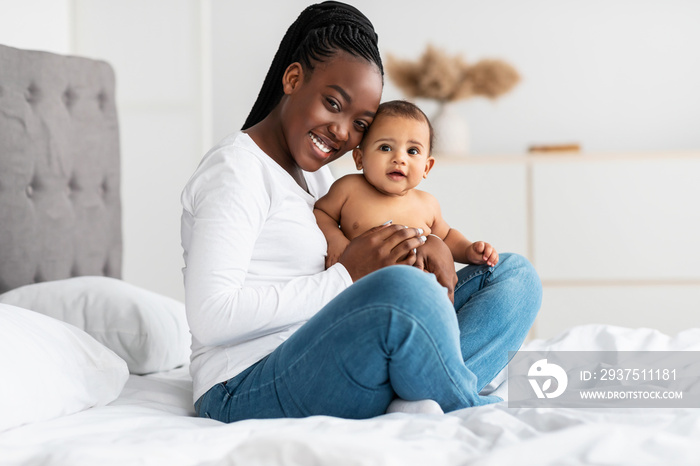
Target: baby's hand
335, 250
481, 252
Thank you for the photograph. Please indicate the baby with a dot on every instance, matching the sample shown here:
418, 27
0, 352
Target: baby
394, 156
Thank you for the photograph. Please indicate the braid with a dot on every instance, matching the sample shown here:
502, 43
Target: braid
318, 33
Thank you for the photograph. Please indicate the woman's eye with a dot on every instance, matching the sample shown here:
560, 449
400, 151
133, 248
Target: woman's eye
385, 148
362, 126
333, 104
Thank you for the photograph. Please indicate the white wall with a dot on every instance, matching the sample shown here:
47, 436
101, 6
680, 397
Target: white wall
612, 75
154, 47
21, 26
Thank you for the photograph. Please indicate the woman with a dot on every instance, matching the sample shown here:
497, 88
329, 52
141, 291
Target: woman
276, 335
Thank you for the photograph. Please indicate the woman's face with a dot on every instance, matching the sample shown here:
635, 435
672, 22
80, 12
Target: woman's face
326, 113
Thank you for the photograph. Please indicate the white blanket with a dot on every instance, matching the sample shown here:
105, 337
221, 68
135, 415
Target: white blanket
151, 423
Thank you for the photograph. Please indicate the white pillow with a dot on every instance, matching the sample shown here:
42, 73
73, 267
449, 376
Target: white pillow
50, 369
147, 330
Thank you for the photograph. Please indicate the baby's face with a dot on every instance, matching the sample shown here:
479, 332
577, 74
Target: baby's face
394, 154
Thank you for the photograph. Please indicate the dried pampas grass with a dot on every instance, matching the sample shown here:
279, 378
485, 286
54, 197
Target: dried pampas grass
436, 75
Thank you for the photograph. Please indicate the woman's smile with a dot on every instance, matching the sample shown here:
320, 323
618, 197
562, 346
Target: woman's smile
326, 147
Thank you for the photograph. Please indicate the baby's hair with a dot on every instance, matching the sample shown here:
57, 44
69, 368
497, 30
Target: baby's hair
406, 109
318, 33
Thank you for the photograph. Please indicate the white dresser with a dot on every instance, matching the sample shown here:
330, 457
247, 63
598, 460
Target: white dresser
614, 237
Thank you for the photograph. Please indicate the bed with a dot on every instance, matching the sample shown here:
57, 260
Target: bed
95, 370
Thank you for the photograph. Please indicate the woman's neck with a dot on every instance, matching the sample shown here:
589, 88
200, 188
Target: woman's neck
268, 135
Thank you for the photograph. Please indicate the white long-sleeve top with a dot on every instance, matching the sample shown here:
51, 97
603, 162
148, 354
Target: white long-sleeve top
254, 258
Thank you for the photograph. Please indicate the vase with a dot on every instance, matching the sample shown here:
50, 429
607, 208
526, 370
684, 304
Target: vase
451, 132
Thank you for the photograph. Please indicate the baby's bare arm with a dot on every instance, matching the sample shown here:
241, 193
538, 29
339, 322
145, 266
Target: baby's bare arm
327, 211
332, 203
467, 252
463, 250
328, 225
337, 242
453, 238
458, 245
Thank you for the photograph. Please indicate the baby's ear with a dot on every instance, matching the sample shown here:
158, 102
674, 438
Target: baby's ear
429, 162
357, 157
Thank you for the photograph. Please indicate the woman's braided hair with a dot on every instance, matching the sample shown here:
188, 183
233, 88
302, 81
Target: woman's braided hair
319, 32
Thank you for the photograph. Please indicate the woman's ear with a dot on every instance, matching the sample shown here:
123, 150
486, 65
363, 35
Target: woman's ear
293, 76
357, 157
430, 161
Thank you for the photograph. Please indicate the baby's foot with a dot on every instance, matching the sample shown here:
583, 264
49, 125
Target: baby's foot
414, 407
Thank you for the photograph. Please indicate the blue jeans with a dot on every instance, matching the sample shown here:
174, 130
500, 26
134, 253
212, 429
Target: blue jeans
394, 333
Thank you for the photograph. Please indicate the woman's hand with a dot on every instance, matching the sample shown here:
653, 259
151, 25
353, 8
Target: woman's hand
380, 247
435, 257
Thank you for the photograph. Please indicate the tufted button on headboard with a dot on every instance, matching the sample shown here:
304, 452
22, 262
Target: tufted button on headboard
60, 208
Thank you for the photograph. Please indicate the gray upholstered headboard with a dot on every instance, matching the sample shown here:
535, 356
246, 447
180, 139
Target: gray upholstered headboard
60, 208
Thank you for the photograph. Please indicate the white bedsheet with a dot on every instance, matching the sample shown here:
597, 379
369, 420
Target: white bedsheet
151, 423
